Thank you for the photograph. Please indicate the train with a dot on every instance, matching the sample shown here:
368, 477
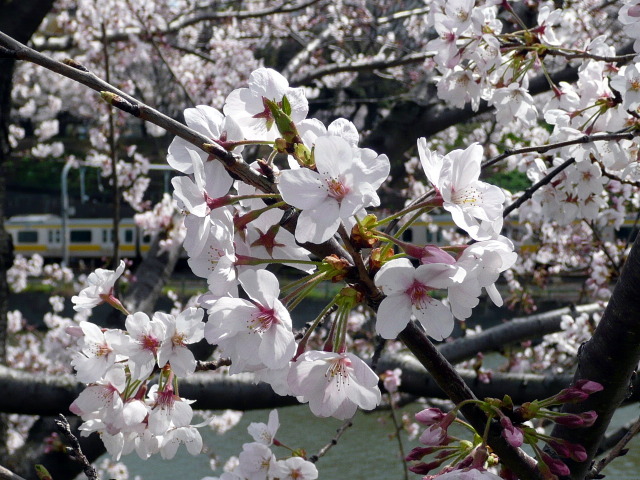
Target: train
86, 237
93, 237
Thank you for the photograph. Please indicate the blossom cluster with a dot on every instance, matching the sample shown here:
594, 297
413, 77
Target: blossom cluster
118, 402
257, 459
232, 232
323, 184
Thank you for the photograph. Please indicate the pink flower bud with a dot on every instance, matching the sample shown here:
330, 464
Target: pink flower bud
432, 436
513, 435
578, 392
556, 466
570, 450
418, 452
429, 416
424, 468
588, 386
571, 420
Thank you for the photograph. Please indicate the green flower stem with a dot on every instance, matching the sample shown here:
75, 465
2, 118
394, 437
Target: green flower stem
295, 297
232, 145
326, 310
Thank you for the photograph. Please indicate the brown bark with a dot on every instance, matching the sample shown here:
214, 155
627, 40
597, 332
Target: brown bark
610, 358
20, 19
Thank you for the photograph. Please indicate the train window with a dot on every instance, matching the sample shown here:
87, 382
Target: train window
627, 234
434, 237
26, 236
128, 236
146, 239
53, 236
107, 235
407, 235
80, 236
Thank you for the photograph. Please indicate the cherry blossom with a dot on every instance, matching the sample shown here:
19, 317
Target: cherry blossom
146, 337
407, 292
180, 331
248, 108
100, 288
294, 468
482, 262
627, 82
262, 433
98, 352
209, 122
342, 186
334, 384
255, 332
474, 205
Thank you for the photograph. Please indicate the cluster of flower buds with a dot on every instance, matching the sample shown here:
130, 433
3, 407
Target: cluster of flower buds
465, 456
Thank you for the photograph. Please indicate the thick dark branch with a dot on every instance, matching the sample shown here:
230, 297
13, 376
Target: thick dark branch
358, 66
42, 394
62, 43
450, 382
515, 330
610, 358
134, 107
6, 474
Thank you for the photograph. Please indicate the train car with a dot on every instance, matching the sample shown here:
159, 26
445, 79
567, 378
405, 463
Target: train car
87, 237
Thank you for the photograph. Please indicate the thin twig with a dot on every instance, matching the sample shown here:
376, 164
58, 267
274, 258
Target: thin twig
398, 428
75, 452
212, 365
528, 193
552, 146
334, 441
592, 56
616, 451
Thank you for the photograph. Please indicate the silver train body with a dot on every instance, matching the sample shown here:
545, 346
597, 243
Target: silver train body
86, 237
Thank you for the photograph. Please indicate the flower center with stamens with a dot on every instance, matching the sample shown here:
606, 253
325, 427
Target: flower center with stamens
178, 339
338, 371
101, 350
166, 399
466, 196
337, 189
150, 343
263, 320
418, 294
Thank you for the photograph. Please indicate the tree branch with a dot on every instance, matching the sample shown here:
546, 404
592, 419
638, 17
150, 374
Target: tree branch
515, 330
522, 465
6, 474
127, 103
358, 66
610, 358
